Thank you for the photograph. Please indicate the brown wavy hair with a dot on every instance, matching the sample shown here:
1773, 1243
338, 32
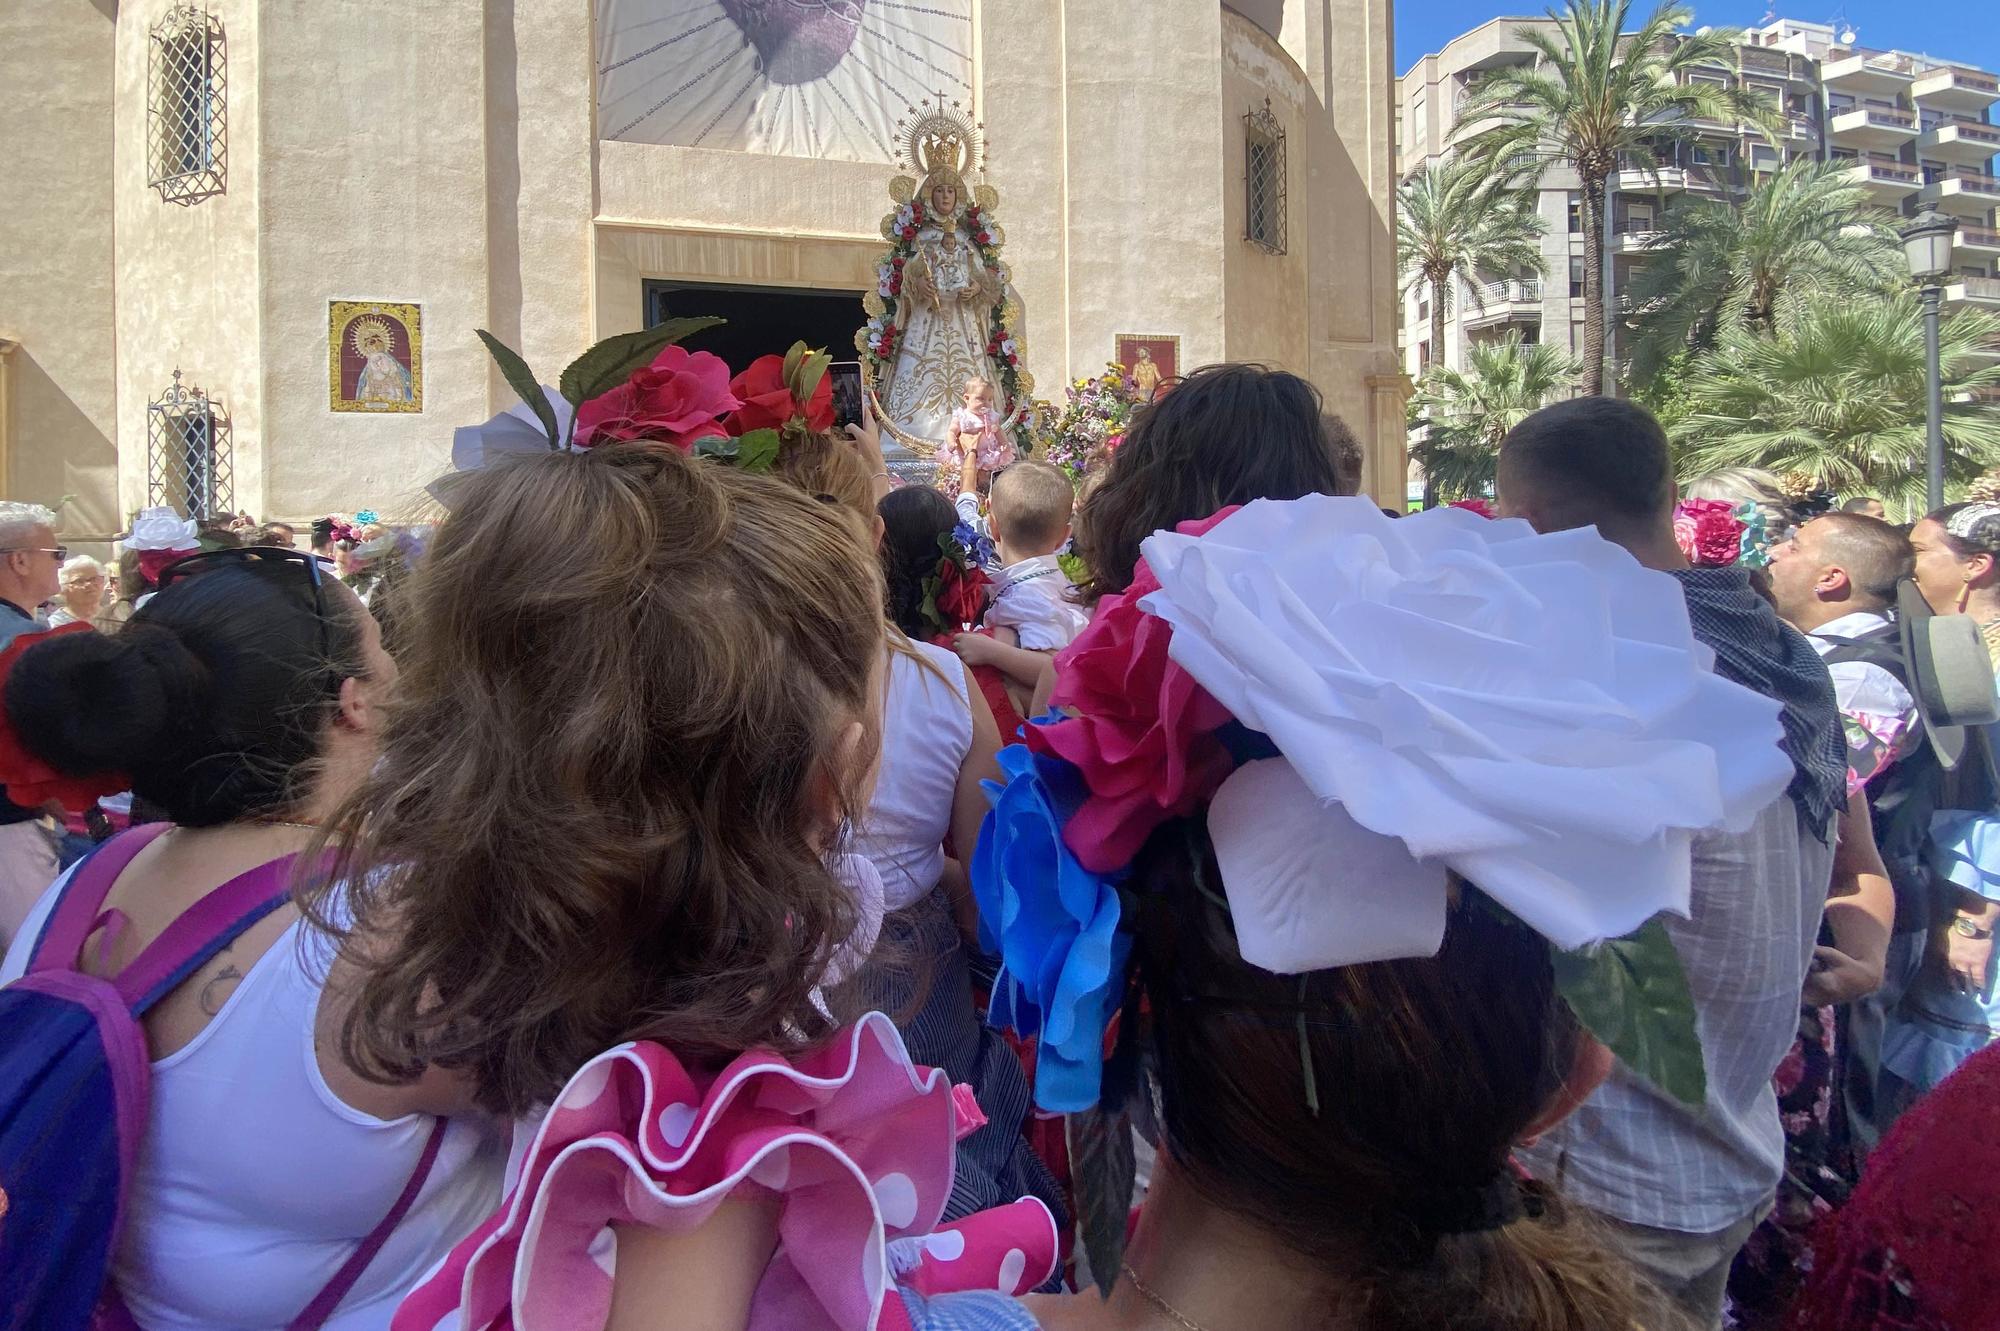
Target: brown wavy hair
601, 810
1425, 1073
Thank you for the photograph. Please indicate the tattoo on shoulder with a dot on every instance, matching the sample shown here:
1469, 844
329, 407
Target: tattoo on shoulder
216, 992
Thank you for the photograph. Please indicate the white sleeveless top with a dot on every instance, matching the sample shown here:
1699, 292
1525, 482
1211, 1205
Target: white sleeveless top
255, 1182
926, 737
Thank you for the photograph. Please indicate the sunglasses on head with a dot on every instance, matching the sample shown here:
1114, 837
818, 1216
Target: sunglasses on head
277, 558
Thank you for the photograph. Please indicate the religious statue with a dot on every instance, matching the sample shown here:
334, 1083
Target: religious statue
1145, 375
942, 314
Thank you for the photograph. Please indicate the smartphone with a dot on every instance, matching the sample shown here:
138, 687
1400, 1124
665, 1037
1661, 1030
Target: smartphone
846, 393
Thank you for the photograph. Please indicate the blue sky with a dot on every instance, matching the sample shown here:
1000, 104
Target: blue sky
1950, 29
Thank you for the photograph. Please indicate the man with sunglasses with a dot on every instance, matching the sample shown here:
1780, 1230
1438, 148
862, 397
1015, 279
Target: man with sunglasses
30, 564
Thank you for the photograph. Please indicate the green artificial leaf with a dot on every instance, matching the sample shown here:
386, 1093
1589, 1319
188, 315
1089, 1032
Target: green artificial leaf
522, 380
757, 450
613, 361
794, 358
715, 446
929, 610
1632, 994
1102, 1170
1073, 567
804, 380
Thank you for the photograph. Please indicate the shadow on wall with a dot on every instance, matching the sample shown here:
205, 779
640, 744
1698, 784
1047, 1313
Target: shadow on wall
53, 450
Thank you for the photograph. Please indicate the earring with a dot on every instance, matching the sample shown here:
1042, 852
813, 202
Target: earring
1964, 593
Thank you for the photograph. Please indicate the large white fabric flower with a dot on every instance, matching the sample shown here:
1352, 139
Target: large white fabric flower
516, 430
1530, 711
162, 529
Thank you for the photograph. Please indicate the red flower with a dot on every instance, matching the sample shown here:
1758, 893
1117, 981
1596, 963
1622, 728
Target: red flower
676, 400
1146, 735
1708, 532
152, 563
766, 401
28, 780
961, 593
1479, 506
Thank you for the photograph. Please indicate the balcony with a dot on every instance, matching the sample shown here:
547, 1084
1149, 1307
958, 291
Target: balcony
1631, 179
1756, 60
1633, 237
1978, 240
1951, 88
1799, 129
1860, 73
1965, 289
1962, 193
1516, 301
1889, 182
1959, 141
1879, 127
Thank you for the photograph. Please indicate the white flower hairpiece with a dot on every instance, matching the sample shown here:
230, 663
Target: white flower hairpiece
160, 528
1448, 692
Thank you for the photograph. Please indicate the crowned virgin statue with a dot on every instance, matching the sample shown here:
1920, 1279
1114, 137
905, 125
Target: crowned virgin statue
943, 317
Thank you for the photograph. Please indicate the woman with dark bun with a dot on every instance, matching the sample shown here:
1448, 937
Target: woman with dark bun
244, 700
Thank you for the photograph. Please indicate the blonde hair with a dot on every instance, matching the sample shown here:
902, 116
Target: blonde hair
1032, 504
598, 815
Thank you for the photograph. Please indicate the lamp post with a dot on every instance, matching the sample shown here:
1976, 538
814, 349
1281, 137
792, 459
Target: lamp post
1927, 246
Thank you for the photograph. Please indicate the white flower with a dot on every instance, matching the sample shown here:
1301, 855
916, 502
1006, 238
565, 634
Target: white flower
162, 529
1530, 711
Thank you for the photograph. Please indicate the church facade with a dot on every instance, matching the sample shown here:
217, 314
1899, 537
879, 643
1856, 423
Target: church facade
252, 239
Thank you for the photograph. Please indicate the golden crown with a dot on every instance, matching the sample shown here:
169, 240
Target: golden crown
364, 332
940, 136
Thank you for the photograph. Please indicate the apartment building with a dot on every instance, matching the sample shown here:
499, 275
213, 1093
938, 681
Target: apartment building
1919, 131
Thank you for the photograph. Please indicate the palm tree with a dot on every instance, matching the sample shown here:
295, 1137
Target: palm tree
1836, 393
1468, 412
1459, 219
1595, 95
1808, 230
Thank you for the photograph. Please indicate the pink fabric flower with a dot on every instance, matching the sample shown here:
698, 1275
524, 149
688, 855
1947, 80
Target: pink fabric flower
1708, 532
1145, 738
676, 400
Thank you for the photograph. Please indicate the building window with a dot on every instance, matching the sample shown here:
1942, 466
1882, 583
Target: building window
1423, 356
187, 453
1576, 217
1575, 279
187, 107
1264, 180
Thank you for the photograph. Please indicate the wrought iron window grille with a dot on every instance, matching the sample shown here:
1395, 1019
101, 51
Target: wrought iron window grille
188, 464
1264, 180
187, 106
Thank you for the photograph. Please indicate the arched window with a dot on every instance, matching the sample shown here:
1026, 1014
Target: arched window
187, 106
1264, 180
187, 452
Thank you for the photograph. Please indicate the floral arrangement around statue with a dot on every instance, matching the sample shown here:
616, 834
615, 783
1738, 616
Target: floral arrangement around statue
1092, 422
942, 309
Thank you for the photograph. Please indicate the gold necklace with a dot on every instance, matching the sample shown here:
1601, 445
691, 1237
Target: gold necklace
1151, 1296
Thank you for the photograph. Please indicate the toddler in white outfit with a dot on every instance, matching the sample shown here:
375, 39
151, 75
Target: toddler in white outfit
1031, 615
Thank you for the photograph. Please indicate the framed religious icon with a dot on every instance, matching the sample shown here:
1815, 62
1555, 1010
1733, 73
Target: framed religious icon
1149, 360
374, 356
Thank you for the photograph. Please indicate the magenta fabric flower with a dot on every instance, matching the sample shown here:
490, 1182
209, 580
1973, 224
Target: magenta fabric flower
676, 400
1708, 532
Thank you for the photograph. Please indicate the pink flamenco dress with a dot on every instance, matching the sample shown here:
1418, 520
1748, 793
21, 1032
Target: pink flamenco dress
991, 454
854, 1140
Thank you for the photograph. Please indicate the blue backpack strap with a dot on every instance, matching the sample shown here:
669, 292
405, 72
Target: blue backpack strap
75, 915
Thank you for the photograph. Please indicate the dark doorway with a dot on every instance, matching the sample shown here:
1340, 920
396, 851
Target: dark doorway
761, 320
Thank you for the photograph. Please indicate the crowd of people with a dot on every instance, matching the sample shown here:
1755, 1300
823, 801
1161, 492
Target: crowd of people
669, 890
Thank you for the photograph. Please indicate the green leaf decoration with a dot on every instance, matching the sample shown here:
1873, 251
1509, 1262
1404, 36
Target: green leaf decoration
1632, 994
522, 380
613, 361
1073, 567
803, 380
794, 360
723, 450
757, 450
1102, 1170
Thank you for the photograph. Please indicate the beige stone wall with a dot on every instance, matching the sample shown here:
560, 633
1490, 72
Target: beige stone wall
187, 275
58, 431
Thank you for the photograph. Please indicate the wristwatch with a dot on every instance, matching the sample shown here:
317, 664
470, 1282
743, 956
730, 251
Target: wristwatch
1965, 928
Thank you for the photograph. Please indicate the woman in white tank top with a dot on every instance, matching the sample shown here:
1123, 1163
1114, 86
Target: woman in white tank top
265, 1161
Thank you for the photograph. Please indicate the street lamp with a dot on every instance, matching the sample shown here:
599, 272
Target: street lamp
1927, 246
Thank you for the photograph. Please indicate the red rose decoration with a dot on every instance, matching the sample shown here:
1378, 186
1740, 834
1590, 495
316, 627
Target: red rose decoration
152, 563
28, 780
1479, 506
961, 595
767, 402
679, 398
1708, 532
1146, 735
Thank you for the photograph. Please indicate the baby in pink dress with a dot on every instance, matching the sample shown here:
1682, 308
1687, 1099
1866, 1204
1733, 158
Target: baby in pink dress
974, 446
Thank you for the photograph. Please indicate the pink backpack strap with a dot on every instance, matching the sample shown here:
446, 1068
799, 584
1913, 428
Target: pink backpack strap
77, 911
202, 930
336, 1289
